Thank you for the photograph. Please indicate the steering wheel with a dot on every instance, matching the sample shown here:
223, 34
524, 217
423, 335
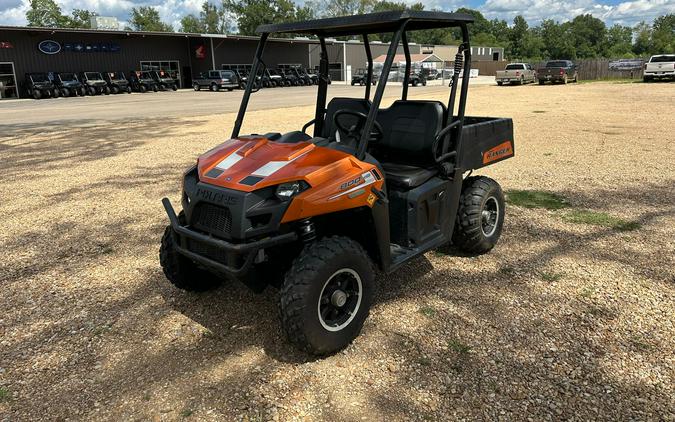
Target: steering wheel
354, 131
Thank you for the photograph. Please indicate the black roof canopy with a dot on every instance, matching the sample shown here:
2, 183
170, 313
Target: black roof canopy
370, 23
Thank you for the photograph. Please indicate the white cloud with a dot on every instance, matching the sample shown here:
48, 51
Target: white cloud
12, 12
626, 13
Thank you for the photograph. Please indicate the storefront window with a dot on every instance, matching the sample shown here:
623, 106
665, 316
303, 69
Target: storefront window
172, 67
8, 88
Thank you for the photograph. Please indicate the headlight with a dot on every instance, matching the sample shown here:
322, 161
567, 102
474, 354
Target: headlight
286, 191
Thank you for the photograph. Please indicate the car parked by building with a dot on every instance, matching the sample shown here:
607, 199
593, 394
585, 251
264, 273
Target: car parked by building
660, 66
38, 85
117, 82
68, 84
562, 71
215, 80
142, 81
94, 83
516, 73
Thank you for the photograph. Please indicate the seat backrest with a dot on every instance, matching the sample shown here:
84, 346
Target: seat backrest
410, 127
339, 103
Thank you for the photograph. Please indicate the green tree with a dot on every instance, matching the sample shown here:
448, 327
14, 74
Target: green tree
191, 23
663, 34
214, 19
517, 37
80, 18
619, 42
45, 13
643, 39
334, 8
146, 18
589, 35
252, 13
556, 41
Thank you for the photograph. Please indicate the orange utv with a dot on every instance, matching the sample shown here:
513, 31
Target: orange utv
370, 188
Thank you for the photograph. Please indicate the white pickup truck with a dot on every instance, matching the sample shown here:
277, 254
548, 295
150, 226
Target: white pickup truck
659, 66
516, 73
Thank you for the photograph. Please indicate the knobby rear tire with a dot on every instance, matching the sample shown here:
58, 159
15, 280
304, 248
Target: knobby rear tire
479, 194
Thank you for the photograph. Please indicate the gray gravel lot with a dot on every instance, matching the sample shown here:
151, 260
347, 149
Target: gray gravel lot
562, 321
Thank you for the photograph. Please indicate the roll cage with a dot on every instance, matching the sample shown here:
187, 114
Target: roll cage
397, 23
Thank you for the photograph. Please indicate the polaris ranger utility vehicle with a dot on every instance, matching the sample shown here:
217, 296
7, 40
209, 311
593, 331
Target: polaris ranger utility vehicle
164, 81
117, 82
142, 81
38, 85
68, 84
94, 83
370, 187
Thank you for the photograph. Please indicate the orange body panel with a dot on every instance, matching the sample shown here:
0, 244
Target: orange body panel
338, 180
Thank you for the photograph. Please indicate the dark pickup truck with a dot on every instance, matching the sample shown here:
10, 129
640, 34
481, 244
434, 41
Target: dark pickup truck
562, 71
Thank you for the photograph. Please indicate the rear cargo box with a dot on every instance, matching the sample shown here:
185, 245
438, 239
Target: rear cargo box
485, 141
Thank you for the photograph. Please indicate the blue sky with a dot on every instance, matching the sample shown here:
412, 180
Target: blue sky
627, 12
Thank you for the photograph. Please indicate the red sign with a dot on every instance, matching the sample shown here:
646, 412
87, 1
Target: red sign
200, 52
6, 44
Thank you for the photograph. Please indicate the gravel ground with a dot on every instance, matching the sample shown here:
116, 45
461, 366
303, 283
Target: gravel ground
560, 321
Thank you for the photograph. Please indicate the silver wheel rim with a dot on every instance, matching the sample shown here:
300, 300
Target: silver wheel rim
489, 216
344, 295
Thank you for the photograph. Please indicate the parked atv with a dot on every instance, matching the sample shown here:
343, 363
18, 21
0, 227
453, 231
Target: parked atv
117, 82
164, 81
94, 83
280, 77
292, 77
360, 77
417, 78
142, 81
370, 188
69, 85
38, 85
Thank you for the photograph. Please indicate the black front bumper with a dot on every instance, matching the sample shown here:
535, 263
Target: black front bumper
239, 256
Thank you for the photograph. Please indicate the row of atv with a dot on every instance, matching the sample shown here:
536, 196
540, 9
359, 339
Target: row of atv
273, 78
69, 84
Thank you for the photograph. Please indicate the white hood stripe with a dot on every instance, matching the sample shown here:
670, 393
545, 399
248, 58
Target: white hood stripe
274, 166
229, 161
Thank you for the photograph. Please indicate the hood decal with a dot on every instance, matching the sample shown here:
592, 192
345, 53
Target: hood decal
272, 167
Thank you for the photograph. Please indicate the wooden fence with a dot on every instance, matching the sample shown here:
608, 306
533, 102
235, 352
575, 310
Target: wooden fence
589, 69
592, 69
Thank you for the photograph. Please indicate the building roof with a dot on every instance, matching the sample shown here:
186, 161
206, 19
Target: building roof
370, 23
36, 29
414, 58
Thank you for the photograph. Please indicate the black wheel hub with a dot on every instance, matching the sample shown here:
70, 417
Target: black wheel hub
340, 299
489, 216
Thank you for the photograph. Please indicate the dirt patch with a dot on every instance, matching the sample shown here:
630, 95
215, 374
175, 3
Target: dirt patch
562, 320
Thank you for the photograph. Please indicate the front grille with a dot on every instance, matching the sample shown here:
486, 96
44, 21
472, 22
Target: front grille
203, 249
212, 219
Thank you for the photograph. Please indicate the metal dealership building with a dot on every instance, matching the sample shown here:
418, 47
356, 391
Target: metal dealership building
184, 55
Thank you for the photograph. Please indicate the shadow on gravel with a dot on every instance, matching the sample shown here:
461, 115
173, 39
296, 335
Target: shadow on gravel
531, 374
79, 141
551, 367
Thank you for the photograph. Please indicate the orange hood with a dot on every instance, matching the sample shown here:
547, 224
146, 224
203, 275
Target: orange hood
250, 163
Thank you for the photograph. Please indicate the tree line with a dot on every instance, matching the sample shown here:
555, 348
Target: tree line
585, 36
